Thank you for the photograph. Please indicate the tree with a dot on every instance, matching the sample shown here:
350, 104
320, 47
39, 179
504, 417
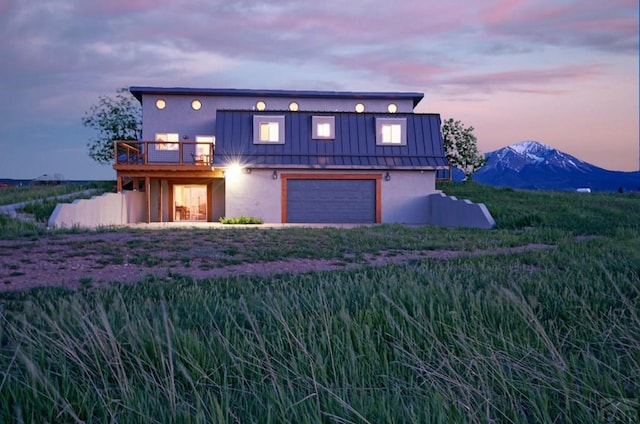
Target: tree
461, 148
114, 118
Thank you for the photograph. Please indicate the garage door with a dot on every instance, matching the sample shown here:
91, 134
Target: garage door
331, 201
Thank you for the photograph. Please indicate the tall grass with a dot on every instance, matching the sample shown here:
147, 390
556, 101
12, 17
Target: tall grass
540, 336
537, 337
10, 195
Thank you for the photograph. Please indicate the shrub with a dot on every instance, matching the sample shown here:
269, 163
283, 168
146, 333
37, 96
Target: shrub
240, 220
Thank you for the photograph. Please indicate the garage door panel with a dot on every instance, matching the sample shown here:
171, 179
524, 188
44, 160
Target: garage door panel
331, 200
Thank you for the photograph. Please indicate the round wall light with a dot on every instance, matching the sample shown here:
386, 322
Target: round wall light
161, 104
196, 104
293, 106
360, 108
392, 108
261, 105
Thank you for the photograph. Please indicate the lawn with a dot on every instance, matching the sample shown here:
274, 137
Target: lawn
546, 335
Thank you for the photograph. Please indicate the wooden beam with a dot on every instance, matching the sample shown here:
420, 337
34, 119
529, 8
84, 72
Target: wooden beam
118, 184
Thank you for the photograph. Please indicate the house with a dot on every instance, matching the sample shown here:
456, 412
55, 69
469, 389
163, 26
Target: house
283, 156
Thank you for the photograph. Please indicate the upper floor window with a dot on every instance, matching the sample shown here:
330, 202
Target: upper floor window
323, 127
391, 131
167, 141
268, 129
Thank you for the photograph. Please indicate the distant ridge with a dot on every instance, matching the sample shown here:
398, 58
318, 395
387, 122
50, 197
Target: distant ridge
536, 166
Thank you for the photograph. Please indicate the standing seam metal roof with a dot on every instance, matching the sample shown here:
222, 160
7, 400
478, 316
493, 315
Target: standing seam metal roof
354, 145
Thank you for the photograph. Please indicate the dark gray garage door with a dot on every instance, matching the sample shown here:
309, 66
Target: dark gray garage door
331, 201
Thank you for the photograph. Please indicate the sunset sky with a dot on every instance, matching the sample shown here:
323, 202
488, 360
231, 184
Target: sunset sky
561, 72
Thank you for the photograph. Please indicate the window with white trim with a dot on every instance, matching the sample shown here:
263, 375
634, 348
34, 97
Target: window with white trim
391, 131
168, 141
323, 127
268, 129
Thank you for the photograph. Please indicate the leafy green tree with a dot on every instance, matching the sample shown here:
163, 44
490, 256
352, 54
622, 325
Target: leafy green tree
461, 147
114, 118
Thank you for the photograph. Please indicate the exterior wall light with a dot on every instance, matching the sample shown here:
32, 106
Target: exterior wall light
387, 177
274, 176
247, 170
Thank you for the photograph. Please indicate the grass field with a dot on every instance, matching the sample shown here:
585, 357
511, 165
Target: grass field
539, 336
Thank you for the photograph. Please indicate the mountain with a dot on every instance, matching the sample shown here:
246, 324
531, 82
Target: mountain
533, 165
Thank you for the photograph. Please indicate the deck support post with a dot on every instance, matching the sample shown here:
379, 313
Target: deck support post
147, 194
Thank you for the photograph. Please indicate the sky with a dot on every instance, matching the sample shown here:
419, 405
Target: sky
561, 72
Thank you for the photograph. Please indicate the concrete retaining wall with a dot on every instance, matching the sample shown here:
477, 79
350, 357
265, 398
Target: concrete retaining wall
109, 209
448, 211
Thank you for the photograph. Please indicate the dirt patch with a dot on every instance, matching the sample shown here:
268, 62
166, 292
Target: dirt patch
76, 260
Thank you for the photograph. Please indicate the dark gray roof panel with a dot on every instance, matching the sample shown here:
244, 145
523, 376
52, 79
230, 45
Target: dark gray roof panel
354, 145
138, 92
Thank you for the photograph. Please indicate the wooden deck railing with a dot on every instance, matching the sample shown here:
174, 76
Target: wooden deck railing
163, 153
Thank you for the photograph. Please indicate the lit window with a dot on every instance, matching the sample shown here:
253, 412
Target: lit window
167, 141
360, 108
196, 104
261, 105
324, 130
391, 131
268, 129
161, 104
293, 107
323, 127
392, 108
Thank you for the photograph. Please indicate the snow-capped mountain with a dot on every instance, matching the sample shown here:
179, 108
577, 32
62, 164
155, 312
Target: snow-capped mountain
533, 165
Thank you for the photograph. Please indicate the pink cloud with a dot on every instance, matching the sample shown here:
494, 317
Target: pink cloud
525, 81
611, 25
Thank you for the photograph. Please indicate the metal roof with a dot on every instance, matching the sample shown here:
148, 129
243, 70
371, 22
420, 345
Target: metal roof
354, 145
232, 92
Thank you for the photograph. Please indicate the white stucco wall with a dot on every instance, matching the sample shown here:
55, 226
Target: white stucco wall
108, 209
256, 195
404, 196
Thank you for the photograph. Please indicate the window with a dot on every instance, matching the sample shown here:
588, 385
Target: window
391, 131
168, 141
323, 127
268, 129
206, 143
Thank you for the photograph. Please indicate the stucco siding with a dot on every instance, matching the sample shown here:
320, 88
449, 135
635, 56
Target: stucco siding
256, 194
179, 117
108, 209
404, 196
